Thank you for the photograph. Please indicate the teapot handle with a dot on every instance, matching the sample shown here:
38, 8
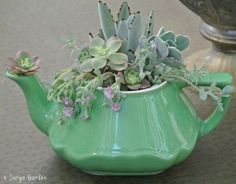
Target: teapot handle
222, 80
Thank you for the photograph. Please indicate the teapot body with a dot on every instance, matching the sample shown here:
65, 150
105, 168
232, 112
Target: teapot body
154, 130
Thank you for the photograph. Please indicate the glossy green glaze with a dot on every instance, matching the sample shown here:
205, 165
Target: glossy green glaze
155, 129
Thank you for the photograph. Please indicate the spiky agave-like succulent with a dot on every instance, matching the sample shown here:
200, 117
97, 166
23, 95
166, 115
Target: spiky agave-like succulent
23, 63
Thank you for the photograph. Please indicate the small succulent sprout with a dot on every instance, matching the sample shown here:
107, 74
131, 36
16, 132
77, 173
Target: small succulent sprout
24, 64
84, 54
132, 79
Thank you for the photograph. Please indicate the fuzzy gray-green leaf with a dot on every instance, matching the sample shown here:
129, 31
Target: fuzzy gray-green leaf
106, 20
170, 43
124, 12
149, 30
182, 42
169, 35
123, 29
175, 53
161, 47
134, 32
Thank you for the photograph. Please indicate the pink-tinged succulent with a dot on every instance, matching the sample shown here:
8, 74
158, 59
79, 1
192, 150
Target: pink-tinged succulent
23, 63
68, 112
115, 107
109, 93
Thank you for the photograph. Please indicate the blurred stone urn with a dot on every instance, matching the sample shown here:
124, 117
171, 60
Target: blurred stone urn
219, 27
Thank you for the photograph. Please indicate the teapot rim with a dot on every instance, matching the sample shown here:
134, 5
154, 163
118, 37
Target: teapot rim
150, 89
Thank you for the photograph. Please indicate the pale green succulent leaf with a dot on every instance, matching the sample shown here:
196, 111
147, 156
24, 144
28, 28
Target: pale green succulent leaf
123, 29
97, 43
113, 44
182, 42
118, 58
149, 30
124, 48
134, 32
86, 66
170, 43
124, 12
130, 19
169, 35
117, 67
175, 53
98, 63
106, 20
161, 47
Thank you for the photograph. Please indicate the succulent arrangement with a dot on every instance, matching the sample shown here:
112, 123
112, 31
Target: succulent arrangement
121, 57
23, 63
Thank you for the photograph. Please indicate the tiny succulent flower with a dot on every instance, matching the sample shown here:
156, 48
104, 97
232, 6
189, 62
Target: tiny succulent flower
105, 53
68, 111
132, 77
24, 64
109, 93
67, 102
115, 107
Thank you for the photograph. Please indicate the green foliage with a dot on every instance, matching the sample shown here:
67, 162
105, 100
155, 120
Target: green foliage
106, 20
123, 58
124, 12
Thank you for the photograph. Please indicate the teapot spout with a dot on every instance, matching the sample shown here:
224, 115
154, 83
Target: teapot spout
36, 96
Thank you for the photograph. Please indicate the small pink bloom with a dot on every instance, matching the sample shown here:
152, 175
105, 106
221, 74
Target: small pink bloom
115, 107
109, 93
68, 111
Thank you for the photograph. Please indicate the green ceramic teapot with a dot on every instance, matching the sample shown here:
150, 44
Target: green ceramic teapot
155, 129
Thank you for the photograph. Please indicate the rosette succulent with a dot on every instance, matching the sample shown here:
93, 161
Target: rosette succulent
23, 63
105, 54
